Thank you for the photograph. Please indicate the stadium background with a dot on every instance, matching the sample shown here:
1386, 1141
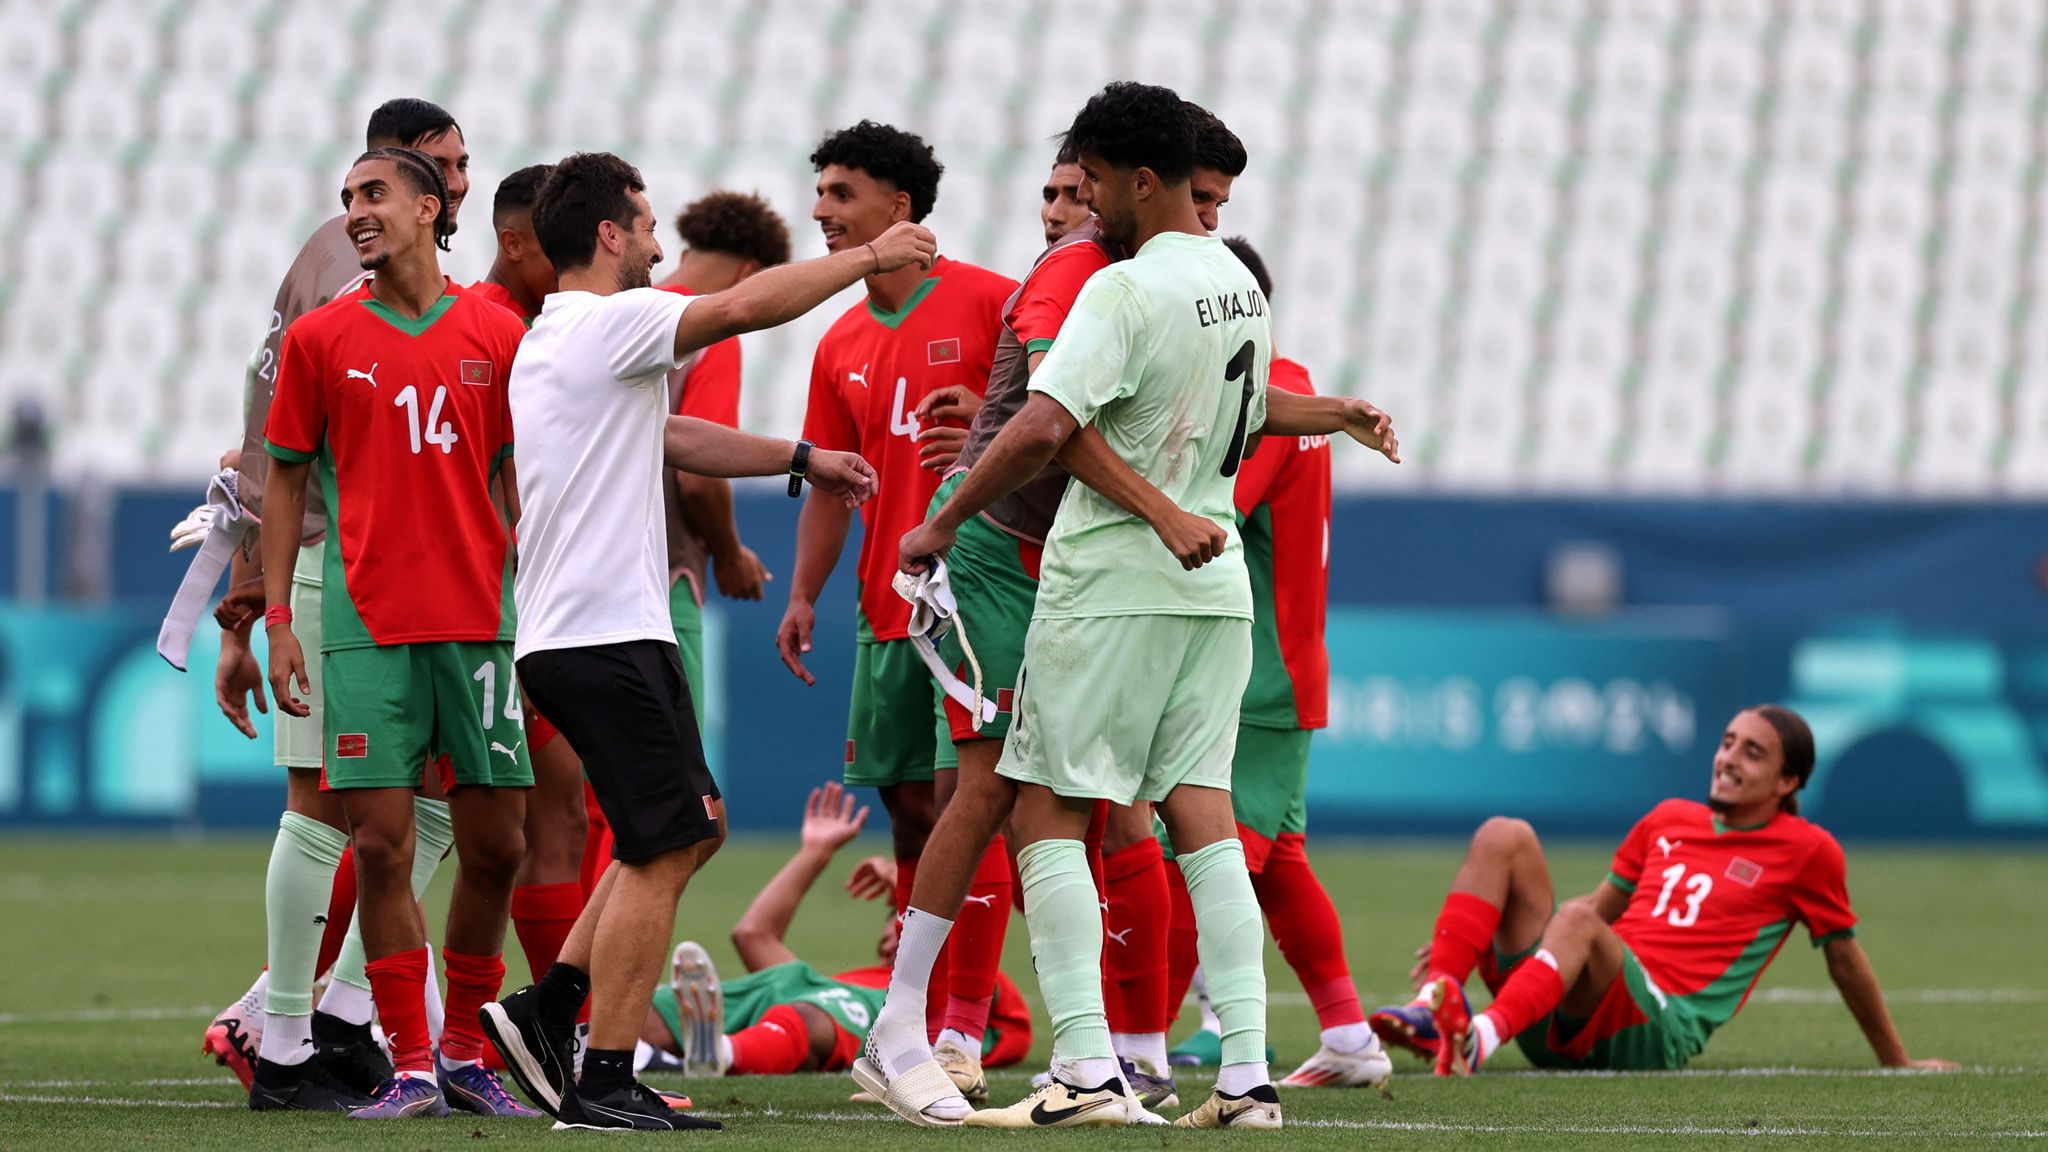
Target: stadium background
1717, 334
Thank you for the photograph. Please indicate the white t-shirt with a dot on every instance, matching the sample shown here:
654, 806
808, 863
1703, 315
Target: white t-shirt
590, 404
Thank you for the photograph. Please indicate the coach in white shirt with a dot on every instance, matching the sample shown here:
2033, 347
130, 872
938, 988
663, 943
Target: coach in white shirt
595, 649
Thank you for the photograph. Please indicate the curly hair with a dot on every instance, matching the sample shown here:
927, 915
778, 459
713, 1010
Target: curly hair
890, 154
423, 174
1217, 148
737, 224
583, 191
1137, 126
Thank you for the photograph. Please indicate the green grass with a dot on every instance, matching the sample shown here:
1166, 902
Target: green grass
114, 953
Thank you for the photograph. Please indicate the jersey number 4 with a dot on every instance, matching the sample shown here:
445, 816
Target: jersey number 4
1696, 889
433, 430
1240, 365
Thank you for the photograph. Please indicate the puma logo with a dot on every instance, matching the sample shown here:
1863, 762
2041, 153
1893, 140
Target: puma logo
1122, 937
511, 753
371, 375
1668, 845
860, 377
985, 901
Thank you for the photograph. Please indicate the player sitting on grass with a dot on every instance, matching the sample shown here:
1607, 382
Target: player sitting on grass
1639, 973
785, 1016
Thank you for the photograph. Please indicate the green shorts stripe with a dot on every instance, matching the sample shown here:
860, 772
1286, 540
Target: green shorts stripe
1637, 1028
391, 707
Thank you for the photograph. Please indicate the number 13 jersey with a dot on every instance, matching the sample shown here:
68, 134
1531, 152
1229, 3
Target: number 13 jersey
1709, 905
405, 423
1166, 354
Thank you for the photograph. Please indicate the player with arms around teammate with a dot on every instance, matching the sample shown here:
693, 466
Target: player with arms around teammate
917, 331
311, 877
398, 392
1640, 972
596, 646
1134, 666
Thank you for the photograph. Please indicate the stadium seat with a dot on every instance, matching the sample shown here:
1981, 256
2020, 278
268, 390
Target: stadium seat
1437, 135
191, 114
1780, 345
1992, 143
1422, 204
1906, 73
1980, 276
1899, 145
1493, 351
133, 336
1445, 69
1770, 425
162, 253
1698, 278
1817, 72
1485, 431
1788, 283
33, 49
1352, 71
1873, 352
1813, 142
1591, 343
1529, 140
1864, 433
1172, 54
215, 41
1967, 345
2025, 471
1517, 208
309, 47
1609, 210
101, 112
1714, 142
1622, 139
1601, 274
1336, 129
1578, 426
1685, 349
1410, 276
250, 256
44, 331
1998, 71
1957, 426
676, 115
1630, 70
1883, 278
116, 50
24, 114
1507, 276
1537, 70
1703, 210
296, 113
1260, 57
57, 256
1723, 73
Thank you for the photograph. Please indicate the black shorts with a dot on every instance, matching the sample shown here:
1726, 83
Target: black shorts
625, 708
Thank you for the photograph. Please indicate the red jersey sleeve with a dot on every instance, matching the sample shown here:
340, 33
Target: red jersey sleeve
297, 423
1255, 478
1049, 293
1821, 899
827, 423
712, 389
1627, 868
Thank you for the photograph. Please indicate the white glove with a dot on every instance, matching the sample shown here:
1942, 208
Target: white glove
933, 613
191, 531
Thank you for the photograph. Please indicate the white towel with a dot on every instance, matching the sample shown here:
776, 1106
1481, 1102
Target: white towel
933, 612
226, 525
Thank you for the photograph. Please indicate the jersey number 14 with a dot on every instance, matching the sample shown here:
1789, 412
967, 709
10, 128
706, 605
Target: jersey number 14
433, 430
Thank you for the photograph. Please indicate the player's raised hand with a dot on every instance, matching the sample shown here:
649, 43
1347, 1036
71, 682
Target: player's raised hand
939, 446
919, 545
288, 665
952, 402
831, 819
904, 244
842, 474
1193, 540
1372, 428
237, 680
873, 879
793, 638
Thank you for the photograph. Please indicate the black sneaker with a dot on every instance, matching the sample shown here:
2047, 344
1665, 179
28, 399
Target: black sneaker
539, 1055
634, 1107
305, 1087
350, 1054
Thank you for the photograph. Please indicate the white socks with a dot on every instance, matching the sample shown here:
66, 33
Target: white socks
1487, 1035
898, 1037
1088, 1072
350, 1002
1145, 1050
960, 1040
1238, 1079
252, 1000
287, 1039
1348, 1038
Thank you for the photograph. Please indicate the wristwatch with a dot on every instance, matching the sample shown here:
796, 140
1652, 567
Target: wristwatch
799, 466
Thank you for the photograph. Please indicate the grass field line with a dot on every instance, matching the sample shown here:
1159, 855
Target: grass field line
116, 1101
108, 1015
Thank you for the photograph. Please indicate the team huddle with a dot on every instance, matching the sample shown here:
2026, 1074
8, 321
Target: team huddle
1089, 658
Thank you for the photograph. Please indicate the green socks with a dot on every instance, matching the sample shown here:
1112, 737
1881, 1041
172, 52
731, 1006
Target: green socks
295, 893
1065, 921
1232, 944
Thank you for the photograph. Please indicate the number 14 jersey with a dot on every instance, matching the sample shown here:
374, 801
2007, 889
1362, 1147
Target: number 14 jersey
1709, 905
405, 423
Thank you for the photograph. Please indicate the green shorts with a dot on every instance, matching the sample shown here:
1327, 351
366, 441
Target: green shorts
1124, 708
391, 707
1638, 1027
688, 620
895, 729
994, 577
1269, 787
297, 738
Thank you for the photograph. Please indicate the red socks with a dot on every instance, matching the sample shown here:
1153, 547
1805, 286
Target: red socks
774, 1047
473, 981
1181, 955
976, 943
1304, 923
542, 915
341, 908
1464, 933
398, 984
1531, 993
1136, 928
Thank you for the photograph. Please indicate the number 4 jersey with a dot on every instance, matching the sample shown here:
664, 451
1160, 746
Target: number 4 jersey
1709, 905
405, 423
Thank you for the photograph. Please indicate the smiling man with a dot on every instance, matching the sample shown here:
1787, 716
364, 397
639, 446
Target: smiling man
1640, 972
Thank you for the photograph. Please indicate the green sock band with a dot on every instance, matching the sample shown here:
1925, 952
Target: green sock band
1232, 944
1065, 923
433, 836
296, 889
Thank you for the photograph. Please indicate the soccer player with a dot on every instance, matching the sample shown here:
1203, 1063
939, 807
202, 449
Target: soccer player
415, 639
1283, 515
596, 647
311, 877
1064, 210
1135, 665
784, 1015
918, 331
520, 276
1638, 973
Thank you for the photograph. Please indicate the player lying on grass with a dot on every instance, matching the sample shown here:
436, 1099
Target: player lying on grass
784, 1015
1637, 974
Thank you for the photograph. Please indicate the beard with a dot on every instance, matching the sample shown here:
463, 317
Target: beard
375, 260
1720, 807
637, 274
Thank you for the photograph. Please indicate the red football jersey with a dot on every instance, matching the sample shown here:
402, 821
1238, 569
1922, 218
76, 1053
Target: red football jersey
870, 372
1283, 515
502, 296
405, 421
1710, 905
711, 387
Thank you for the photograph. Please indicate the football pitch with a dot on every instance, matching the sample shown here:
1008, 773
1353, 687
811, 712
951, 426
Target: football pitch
115, 953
